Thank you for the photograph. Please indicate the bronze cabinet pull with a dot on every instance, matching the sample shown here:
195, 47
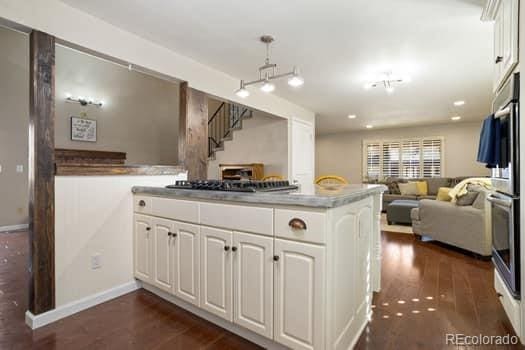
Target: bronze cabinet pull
297, 224
142, 203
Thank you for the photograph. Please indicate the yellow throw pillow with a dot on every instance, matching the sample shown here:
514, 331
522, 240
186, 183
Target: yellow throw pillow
422, 188
443, 194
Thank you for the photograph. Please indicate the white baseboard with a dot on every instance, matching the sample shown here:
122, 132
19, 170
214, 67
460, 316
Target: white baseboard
14, 228
232, 327
36, 321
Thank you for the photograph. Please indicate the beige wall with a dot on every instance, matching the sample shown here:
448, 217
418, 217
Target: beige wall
263, 139
341, 154
140, 115
14, 121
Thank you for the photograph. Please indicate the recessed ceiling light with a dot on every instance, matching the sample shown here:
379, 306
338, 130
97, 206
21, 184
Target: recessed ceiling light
455, 118
369, 126
459, 103
352, 116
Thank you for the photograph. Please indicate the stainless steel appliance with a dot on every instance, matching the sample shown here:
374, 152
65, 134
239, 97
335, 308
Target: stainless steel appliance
234, 185
505, 202
506, 239
505, 178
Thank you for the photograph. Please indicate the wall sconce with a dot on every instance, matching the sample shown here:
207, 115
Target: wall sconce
84, 101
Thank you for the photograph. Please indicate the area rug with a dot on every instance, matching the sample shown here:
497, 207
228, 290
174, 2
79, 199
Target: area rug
394, 228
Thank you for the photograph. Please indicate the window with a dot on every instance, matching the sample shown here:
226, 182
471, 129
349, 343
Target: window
411, 158
373, 156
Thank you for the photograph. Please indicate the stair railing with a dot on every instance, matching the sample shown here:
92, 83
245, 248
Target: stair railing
223, 121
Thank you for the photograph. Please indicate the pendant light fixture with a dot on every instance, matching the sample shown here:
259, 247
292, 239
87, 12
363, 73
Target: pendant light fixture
269, 72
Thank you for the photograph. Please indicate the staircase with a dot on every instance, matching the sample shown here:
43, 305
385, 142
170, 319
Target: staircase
222, 123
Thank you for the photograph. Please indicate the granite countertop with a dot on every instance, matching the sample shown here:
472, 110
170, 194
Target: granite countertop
314, 196
67, 169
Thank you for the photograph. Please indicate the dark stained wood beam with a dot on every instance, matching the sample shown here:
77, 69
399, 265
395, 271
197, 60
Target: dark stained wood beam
42, 172
193, 132
80, 156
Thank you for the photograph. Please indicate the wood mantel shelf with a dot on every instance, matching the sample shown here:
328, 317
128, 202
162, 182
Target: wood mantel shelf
116, 169
81, 156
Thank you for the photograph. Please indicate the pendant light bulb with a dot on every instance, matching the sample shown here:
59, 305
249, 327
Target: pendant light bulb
296, 80
242, 92
267, 86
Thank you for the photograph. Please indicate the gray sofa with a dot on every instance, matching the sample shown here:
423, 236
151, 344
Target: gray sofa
466, 227
434, 184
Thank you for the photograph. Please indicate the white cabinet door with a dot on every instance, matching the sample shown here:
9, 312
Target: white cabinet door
162, 254
302, 143
363, 244
143, 248
253, 282
498, 49
216, 272
506, 31
299, 295
186, 256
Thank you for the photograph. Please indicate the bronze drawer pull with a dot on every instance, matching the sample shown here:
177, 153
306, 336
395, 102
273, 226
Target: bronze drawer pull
142, 203
297, 224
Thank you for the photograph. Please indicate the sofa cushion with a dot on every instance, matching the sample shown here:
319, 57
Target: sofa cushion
479, 202
442, 194
422, 187
426, 197
388, 197
393, 188
434, 183
467, 199
409, 189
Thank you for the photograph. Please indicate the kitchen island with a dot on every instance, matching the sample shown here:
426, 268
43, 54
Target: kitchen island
282, 269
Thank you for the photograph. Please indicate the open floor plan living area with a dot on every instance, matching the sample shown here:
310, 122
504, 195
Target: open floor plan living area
301, 175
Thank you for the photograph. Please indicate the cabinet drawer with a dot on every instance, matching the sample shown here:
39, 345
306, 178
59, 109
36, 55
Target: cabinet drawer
235, 217
175, 209
314, 222
510, 305
142, 204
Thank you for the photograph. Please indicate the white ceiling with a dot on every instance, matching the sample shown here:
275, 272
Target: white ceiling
441, 44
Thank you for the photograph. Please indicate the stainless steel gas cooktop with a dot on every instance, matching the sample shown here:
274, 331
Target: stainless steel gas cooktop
234, 186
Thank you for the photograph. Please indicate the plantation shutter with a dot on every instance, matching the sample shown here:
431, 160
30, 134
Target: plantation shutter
411, 158
432, 150
373, 157
391, 159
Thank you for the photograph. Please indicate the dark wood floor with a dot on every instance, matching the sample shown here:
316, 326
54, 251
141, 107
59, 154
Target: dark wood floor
427, 290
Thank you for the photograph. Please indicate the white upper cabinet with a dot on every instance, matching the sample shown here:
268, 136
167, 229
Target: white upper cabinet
505, 40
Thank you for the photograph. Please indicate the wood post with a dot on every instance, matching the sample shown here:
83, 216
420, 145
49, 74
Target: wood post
41, 172
193, 132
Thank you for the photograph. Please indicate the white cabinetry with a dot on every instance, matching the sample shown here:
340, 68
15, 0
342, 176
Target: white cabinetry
216, 275
186, 261
301, 277
143, 248
162, 254
506, 31
299, 295
253, 282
